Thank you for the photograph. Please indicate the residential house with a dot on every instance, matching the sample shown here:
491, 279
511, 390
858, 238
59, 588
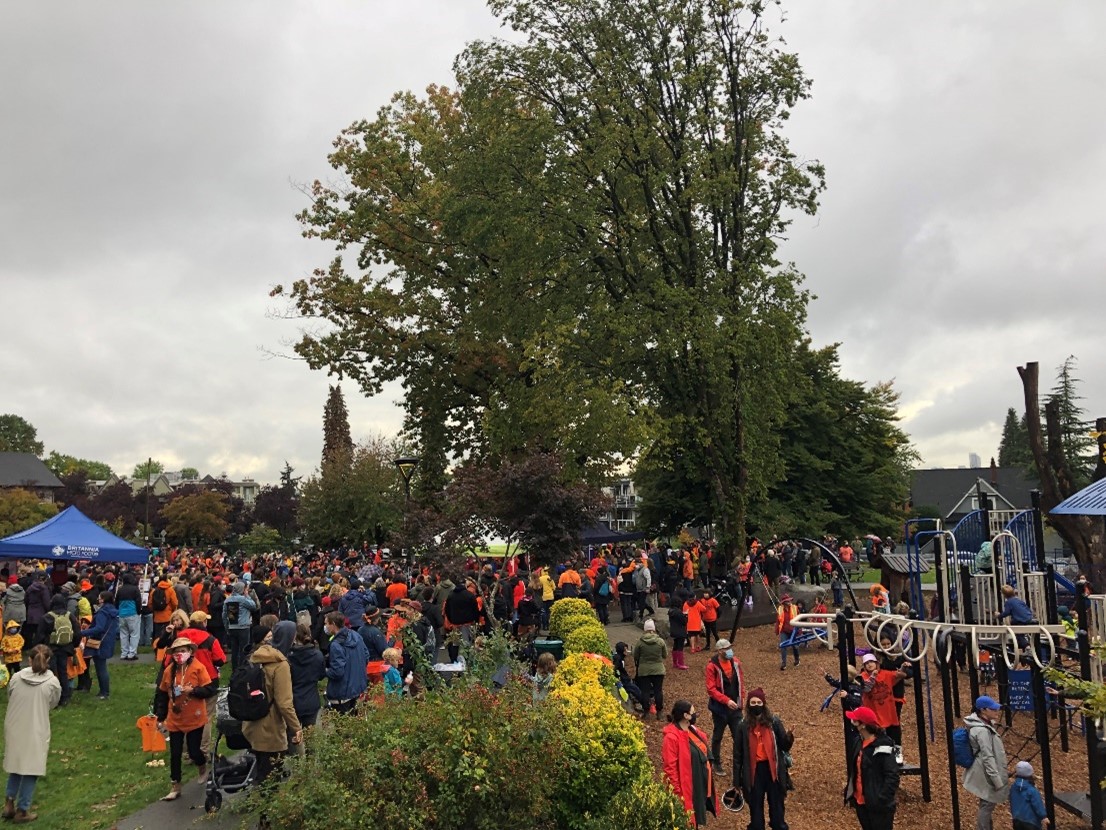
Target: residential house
24, 470
623, 513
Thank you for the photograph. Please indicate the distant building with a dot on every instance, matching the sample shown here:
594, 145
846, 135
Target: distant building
974, 461
165, 483
25, 471
623, 512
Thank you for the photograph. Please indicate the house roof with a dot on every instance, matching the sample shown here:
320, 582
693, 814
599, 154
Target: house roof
945, 488
24, 469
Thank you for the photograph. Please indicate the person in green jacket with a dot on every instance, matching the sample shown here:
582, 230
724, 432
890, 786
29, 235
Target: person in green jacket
650, 654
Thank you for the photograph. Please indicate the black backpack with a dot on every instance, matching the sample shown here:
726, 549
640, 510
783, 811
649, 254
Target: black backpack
247, 698
160, 602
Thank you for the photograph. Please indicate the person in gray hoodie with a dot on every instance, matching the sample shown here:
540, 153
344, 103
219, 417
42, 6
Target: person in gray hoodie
986, 778
15, 605
38, 604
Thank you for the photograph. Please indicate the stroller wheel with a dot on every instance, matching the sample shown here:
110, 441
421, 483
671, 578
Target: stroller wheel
213, 802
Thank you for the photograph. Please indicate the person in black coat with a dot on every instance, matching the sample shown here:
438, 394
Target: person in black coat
308, 667
872, 764
62, 651
762, 780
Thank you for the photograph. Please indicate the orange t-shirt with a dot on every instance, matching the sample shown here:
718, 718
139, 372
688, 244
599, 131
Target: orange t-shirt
881, 698
396, 591
152, 740
569, 576
694, 613
710, 609
193, 710
760, 743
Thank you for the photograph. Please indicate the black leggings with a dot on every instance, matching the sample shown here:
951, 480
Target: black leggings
712, 630
652, 687
176, 750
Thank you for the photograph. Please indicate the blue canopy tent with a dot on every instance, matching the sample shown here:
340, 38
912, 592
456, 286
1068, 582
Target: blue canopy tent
71, 535
1090, 501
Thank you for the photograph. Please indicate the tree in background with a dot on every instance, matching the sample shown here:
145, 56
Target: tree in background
349, 497
17, 435
596, 208
197, 517
277, 507
21, 509
1075, 429
1013, 448
189, 473
61, 465
531, 501
151, 467
337, 443
114, 504
261, 538
1054, 459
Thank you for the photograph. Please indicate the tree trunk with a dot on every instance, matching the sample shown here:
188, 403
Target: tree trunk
1084, 534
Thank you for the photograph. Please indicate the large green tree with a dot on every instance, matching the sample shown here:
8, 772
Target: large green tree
21, 509
18, 435
592, 219
1013, 448
350, 496
62, 465
151, 467
337, 442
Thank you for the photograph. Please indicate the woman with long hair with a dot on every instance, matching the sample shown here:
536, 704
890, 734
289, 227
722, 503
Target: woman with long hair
760, 761
32, 693
686, 757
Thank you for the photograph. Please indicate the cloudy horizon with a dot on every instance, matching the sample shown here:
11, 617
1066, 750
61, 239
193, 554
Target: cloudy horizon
151, 155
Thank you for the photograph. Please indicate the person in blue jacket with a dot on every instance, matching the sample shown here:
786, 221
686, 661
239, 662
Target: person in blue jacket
1026, 807
346, 668
105, 628
354, 601
375, 641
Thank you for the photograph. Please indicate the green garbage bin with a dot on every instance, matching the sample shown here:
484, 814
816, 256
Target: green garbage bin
554, 647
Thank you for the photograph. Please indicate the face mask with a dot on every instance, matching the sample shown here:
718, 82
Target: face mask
692, 719
756, 711
729, 653
180, 658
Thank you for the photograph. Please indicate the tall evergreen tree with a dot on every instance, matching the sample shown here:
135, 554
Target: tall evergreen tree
337, 442
1013, 449
1079, 446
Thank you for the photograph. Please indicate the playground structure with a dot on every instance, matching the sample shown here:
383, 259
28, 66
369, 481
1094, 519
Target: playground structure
965, 622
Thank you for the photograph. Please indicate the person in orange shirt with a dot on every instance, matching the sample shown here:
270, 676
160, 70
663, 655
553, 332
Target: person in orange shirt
710, 615
694, 610
187, 685
760, 763
784, 615
873, 775
570, 582
396, 591
878, 685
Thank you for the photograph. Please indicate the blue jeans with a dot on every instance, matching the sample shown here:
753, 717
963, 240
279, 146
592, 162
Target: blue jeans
21, 789
130, 630
102, 678
146, 633
783, 651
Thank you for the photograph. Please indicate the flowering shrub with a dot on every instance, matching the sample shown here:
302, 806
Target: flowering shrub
591, 637
579, 668
450, 761
578, 610
604, 747
648, 806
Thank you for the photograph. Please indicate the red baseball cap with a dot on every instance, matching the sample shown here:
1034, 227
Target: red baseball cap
864, 715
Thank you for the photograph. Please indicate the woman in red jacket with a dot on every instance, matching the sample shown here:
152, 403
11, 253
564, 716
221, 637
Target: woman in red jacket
686, 757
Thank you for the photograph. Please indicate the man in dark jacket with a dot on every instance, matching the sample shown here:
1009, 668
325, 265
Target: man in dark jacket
462, 610
345, 671
873, 782
375, 641
354, 601
63, 643
38, 604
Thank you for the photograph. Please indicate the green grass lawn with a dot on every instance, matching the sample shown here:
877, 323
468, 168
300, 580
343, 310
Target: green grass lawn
96, 772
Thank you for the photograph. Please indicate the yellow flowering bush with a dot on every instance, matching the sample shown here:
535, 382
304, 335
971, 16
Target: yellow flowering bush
591, 637
578, 669
604, 746
568, 614
648, 806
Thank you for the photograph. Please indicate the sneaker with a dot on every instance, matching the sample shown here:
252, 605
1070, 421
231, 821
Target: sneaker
102, 697
783, 667
898, 755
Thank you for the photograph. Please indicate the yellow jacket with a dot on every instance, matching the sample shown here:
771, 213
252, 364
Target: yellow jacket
12, 646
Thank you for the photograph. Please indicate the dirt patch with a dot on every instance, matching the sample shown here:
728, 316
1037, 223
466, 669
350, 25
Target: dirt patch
819, 772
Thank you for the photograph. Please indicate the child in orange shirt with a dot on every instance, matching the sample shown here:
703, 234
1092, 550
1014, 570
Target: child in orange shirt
694, 610
710, 614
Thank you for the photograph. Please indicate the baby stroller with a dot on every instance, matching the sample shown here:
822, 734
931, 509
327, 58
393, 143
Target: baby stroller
228, 776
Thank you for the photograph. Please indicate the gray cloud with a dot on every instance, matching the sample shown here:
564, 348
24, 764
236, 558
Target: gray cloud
147, 154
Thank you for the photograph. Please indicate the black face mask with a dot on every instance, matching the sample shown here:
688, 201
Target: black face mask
691, 720
756, 711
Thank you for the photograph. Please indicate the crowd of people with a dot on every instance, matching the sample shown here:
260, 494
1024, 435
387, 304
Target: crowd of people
339, 619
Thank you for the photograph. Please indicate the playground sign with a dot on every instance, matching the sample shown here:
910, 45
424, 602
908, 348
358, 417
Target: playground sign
1020, 690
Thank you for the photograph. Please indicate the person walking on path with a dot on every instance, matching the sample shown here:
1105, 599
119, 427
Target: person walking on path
760, 762
986, 778
649, 656
188, 685
686, 764
873, 772
32, 693
726, 689
269, 737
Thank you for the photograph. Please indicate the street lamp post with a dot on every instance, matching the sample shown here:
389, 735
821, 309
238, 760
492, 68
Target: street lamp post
406, 466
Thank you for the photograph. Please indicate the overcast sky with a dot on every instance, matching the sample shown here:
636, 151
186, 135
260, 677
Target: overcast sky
148, 153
